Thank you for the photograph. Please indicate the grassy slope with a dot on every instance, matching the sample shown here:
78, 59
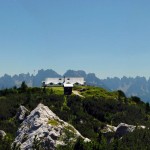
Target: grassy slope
96, 91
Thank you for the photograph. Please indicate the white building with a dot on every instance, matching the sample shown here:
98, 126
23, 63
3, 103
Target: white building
63, 81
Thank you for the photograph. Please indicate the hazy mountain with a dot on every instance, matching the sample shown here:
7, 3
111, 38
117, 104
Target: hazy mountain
137, 86
72, 73
42, 74
17, 79
90, 78
6, 81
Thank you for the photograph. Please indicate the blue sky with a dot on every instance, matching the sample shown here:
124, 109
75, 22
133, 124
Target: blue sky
110, 38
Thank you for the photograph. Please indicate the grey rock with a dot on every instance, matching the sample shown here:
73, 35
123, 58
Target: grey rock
106, 132
123, 129
119, 131
2, 134
22, 113
44, 128
109, 128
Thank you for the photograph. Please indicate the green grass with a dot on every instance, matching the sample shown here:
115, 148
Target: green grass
2, 98
86, 91
56, 90
96, 92
64, 106
70, 128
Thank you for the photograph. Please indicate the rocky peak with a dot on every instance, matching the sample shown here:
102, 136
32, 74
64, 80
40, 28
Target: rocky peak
72, 73
42, 126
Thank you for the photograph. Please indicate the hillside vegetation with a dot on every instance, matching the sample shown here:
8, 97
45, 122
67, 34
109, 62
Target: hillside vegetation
89, 114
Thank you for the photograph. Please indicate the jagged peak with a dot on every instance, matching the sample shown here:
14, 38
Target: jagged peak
45, 126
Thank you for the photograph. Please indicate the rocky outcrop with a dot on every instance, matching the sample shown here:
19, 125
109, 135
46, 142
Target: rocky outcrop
2, 134
109, 128
111, 132
43, 128
22, 113
108, 132
123, 129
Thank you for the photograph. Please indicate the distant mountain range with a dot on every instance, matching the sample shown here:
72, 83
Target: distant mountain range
137, 86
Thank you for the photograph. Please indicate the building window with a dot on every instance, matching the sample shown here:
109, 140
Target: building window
76, 83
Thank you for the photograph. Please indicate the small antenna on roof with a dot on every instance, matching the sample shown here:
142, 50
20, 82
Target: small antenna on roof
64, 80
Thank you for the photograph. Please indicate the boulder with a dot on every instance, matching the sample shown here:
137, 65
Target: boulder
123, 129
22, 113
111, 132
2, 134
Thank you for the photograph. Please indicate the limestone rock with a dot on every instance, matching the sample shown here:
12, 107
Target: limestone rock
22, 113
109, 128
141, 127
123, 129
42, 127
2, 134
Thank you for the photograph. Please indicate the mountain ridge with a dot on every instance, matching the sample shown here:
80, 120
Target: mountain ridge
131, 86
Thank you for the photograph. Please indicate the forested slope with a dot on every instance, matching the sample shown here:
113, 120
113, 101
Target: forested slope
89, 115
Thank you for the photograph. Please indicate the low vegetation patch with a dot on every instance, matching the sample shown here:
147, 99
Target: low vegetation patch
70, 128
53, 122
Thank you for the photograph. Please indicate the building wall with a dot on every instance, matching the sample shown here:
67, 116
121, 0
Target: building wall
60, 81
